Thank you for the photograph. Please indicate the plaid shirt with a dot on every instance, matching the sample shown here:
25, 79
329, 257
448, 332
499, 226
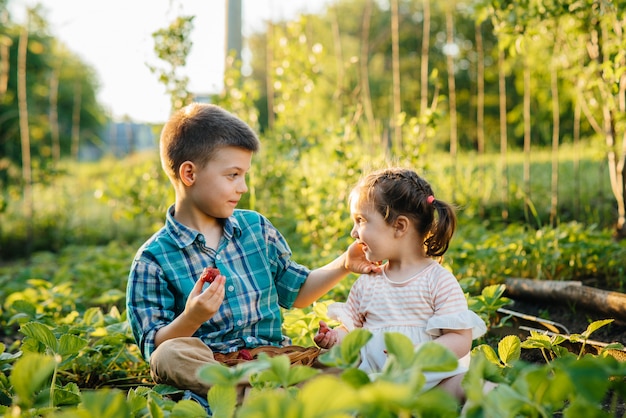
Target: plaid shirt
260, 277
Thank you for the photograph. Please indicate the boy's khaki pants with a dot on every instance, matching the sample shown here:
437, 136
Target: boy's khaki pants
176, 362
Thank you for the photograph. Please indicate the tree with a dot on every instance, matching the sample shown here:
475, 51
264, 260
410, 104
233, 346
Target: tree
51, 75
596, 73
172, 45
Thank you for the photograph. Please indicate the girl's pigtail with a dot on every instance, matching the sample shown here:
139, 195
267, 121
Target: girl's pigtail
443, 228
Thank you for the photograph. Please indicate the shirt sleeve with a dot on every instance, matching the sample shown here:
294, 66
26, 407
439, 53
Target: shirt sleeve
451, 310
149, 303
289, 276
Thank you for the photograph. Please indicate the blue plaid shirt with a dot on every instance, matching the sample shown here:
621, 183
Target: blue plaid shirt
260, 278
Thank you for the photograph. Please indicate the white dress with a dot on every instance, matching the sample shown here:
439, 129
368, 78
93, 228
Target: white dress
419, 307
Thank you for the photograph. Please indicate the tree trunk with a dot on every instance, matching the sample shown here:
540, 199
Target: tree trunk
395, 62
424, 70
606, 302
576, 139
269, 83
504, 185
339, 87
480, 90
451, 85
53, 116
27, 176
78, 92
452, 95
527, 121
366, 96
5, 43
554, 87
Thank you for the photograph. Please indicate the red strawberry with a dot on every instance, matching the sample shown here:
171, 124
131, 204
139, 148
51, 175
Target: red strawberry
245, 355
209, 274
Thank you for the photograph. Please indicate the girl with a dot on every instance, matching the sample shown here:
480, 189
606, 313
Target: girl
399, 223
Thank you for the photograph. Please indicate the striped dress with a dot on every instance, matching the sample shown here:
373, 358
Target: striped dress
419, 307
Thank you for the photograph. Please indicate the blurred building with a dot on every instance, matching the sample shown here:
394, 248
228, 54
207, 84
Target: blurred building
121, 139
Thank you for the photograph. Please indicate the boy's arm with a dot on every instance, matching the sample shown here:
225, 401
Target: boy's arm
321, 280
200, 307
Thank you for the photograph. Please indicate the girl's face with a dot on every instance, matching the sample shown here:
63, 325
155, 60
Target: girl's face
220, 184
371, 230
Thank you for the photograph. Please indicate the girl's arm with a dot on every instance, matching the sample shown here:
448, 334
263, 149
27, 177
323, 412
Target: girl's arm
327, 337
459, 341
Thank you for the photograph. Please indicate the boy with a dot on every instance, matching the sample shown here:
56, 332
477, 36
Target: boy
178, 325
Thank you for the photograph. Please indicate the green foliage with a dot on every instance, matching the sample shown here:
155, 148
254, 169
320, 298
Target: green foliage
65, 344
172, 45
302, 324
47, 58
62, 316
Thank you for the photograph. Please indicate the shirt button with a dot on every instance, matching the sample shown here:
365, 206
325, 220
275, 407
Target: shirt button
240, 322
217, 257
231, 288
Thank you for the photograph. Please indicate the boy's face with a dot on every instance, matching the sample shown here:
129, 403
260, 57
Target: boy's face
219, 186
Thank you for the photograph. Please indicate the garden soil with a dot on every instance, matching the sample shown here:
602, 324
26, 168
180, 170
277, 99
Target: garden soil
572, 318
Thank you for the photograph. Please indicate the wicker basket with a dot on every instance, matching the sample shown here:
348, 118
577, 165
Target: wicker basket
304, 356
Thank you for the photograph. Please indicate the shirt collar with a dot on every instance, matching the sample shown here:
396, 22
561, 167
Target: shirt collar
184, 236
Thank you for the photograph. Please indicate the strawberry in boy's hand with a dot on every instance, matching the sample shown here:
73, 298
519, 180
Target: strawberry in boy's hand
209, 274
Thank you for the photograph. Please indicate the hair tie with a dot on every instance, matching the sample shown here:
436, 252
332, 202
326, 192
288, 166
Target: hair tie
430, 199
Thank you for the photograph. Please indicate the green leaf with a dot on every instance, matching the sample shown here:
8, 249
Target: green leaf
30, 374
219, 374
299, 374
106, 403
434, 357
582, 408
509, 349
67, 395
592, 380
154, 408
71, 344
355, 377
279, 365
384, 392
327, 395
352, 344
188, 409
270, 404
594, 326
436, 403
347, 354
222, 400
401, 347
489, 353
40, 333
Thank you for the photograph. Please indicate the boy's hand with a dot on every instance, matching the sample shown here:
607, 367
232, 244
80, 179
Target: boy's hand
356, 261
203, 304
325, 337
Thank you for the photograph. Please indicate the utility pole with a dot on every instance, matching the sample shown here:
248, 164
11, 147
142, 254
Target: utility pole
234, 38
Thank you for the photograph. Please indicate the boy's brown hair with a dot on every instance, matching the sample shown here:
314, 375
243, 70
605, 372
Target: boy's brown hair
196, 131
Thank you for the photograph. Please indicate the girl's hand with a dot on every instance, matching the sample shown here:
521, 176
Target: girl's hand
201, 304
356, 261
325, 337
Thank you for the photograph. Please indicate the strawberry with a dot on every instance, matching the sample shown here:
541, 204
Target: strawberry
209, 274
245, 355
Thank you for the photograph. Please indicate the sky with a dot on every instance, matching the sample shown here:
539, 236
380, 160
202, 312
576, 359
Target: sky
114, 37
